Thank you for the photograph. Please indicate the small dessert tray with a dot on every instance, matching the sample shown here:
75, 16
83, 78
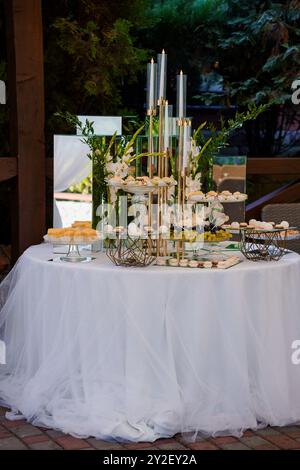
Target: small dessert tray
230, 198
291, 233
208, 262
142, 185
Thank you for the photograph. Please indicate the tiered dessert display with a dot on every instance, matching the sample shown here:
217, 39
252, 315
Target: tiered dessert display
171, 179
179, 225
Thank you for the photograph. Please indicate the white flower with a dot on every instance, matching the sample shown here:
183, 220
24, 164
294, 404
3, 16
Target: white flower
113, 194
193, 184
121, 169
110, 168
118, 168
194, 149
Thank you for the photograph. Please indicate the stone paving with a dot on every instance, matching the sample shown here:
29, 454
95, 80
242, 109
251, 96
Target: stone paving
20, 435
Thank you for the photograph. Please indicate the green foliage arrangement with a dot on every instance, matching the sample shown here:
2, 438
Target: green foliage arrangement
204, 149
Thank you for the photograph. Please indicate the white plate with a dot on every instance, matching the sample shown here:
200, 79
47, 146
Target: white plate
138, 189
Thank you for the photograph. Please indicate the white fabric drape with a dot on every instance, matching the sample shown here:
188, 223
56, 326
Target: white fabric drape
71, 165
138, 354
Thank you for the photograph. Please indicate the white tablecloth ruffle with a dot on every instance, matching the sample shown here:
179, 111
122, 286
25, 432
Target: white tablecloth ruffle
142, 353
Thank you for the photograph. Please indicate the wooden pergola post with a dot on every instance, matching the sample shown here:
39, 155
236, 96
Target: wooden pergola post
26, 104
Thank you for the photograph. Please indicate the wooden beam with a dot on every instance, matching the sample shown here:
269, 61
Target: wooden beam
49, 168
273, 166
286, 194
8, 168
25, 40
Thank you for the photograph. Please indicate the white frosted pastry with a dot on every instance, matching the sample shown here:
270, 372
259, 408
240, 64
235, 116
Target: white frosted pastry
161, 262
131, 183
193, 263
198, 194
221, 264
207, 264
285, 224
268, 226
129, 178
252, 222
173, 262
183, 263
235, 225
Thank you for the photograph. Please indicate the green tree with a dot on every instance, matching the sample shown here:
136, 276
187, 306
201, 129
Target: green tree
261, 58
90, 53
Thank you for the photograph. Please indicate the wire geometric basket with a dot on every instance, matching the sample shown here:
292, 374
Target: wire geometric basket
131, 252
263, 245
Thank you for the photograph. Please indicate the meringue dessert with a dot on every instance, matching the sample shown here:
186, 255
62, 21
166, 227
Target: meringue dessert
183, 263
235, 225
284, 224
173, 262
193, 263
207, 264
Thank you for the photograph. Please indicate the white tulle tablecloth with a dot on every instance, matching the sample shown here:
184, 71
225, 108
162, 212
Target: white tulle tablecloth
137, 354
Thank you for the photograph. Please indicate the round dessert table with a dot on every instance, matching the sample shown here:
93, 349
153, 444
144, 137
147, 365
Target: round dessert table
142, 353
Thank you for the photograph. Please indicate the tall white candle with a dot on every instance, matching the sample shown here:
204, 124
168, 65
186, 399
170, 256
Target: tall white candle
166, 130
162, 75
185, 143
151, 86
180, 107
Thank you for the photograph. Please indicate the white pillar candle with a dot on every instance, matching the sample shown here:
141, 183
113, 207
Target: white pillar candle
151, 86
181, 95
166, 129
184, 153
162, 75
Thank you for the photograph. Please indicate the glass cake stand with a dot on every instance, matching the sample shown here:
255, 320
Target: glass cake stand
73, 254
